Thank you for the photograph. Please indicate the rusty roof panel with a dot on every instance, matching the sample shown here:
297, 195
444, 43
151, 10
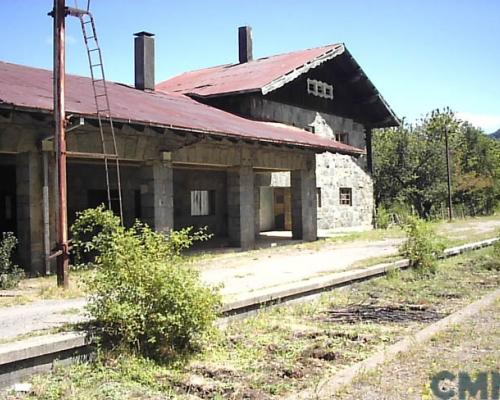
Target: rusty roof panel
246, 77
31, 88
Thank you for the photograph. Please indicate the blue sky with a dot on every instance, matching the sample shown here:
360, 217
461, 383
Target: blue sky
421, 54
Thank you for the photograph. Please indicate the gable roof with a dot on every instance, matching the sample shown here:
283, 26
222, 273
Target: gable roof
30, 89
254, 76
267, 74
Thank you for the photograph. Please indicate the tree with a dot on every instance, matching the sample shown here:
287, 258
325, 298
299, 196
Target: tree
410, 165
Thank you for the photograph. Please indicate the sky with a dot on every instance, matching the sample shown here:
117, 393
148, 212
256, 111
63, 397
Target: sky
420, 54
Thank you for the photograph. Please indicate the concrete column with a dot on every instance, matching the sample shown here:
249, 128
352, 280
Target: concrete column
157, 195
256, 204
29, 179
241, 207
304, 207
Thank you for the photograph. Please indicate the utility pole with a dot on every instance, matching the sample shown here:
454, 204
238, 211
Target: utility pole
60, 139
448, 168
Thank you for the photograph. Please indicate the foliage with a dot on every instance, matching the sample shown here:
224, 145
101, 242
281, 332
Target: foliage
422, 247
10, 274
382, 218
143, 297
410, 165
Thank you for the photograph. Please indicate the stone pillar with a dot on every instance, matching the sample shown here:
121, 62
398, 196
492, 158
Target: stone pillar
256, 202
241, 207
29, 179
304, 207
157, 195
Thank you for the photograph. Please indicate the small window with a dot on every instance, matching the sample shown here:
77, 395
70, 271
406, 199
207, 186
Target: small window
202, 202
310, 128
318, 197
342, 137
345, 196
320, 89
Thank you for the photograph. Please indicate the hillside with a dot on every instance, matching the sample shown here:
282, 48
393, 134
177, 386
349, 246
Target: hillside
496, 134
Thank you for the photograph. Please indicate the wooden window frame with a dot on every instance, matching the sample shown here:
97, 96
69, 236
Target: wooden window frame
342, 137
345, 196
205, 195
320, 89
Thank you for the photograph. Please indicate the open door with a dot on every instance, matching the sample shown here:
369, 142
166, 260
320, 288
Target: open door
8, 215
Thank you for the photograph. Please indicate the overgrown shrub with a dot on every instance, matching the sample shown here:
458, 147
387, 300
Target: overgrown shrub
143, 297
400, 213
10, 274
382, 218
422, 246
493, 262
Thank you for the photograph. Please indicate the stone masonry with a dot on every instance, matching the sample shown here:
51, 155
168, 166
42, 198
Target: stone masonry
333, 171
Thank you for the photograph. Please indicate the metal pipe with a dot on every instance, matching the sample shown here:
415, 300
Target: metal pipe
46, 221
60, 135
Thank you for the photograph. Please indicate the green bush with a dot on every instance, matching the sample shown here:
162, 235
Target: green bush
10, 274
143, 297
422, 246
382, 218
400, 213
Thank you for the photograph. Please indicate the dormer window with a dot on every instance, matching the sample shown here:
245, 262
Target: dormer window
320, 89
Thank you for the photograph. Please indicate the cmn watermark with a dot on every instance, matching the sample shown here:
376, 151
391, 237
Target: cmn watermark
446, 385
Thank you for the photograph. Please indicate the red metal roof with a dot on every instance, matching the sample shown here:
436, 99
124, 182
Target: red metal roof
250, 76
31, 89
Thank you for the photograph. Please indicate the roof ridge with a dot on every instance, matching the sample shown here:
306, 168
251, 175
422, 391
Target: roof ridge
251, 61
299, 51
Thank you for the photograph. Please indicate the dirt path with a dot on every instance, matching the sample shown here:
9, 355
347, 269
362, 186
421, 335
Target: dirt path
462, 229
44, 314
471, 347
266, 269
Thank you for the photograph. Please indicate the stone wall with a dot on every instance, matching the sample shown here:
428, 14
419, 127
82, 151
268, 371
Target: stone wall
333, 171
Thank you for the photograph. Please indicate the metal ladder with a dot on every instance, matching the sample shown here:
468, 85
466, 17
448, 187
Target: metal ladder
100, 96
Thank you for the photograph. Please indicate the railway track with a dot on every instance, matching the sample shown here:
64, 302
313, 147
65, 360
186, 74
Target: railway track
23, 358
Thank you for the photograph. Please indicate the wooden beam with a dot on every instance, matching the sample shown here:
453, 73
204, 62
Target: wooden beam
358, 76
369, 100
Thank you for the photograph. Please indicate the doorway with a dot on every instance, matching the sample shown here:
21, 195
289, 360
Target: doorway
8, 209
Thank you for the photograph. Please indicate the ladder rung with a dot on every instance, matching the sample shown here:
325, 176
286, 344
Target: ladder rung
96, 49
96, 65
101, 95
88, 22
89, 37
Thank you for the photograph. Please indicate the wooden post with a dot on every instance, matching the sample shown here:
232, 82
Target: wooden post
448, 168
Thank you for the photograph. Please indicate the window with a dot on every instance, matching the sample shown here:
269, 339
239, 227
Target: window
342, 137
202, 202
318, 197
310, 128
345, 195
320, 89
